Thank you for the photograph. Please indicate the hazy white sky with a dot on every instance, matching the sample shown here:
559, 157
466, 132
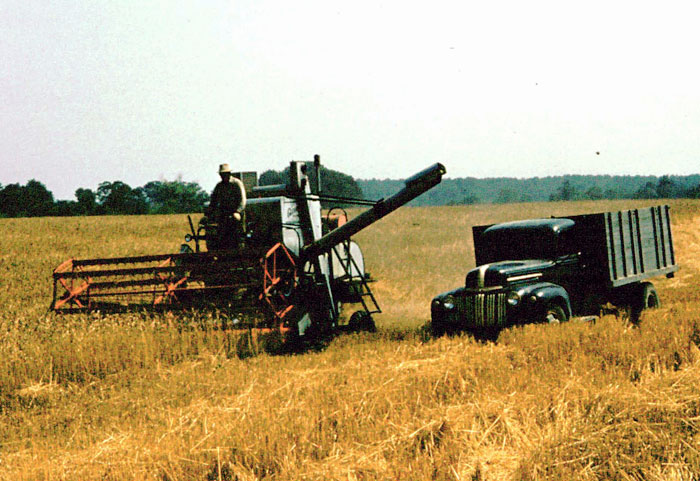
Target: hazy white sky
144, 90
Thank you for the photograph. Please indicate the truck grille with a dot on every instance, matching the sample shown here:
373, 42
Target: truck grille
485, 309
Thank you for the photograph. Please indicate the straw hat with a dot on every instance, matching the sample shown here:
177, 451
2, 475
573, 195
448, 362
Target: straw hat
224, 168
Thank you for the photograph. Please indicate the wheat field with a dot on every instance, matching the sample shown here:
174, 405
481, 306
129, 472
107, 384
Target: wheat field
173, 397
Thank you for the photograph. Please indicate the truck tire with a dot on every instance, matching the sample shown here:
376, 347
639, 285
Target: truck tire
437, 328
644, 297
649, 296
554, 314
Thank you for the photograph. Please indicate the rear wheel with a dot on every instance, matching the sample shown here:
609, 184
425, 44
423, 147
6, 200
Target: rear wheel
644, 297
554, 314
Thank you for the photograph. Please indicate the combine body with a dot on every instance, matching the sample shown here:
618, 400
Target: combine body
292, 269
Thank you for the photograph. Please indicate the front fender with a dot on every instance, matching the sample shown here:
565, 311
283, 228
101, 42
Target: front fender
445, 320
535, 297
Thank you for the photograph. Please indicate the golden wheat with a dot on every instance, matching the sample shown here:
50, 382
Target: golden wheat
132, 397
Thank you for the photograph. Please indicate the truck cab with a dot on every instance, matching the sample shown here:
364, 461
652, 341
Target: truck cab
547, 270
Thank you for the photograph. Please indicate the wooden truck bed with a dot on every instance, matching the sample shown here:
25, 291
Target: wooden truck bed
627, 246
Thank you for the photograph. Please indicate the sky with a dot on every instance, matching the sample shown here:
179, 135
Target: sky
137, 91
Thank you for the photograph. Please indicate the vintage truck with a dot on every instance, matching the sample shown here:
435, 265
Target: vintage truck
548, 270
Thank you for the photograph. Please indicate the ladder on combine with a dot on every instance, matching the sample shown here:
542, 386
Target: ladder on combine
356, 279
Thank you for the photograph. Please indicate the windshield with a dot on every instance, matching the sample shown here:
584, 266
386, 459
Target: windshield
505, 245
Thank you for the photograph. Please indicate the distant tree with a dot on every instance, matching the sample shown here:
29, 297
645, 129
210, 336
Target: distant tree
648, 191
613, 194
38, 199
118, 198
467, 199
594, 193
32, 199
176, 197
63, 208
667, 188
507, 195
12, 201
565, 192
332, 182
339, 184
271, 177
694, 192
87, 201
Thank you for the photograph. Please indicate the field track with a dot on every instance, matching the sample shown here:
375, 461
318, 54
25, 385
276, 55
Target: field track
134, 397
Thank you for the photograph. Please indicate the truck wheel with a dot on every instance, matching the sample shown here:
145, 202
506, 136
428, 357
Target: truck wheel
361, 321
645, 297
554, 314
649, 296
488, 334
439, 328
436, 329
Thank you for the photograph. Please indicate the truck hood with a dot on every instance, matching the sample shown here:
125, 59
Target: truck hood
506, 272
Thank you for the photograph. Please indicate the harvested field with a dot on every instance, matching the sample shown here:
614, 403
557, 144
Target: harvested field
171, 397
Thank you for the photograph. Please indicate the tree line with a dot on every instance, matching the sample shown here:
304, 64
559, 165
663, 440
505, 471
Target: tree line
110, 198
501, 190
157, 197
173, 197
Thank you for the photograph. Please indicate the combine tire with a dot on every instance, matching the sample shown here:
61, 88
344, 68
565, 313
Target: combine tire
361, 321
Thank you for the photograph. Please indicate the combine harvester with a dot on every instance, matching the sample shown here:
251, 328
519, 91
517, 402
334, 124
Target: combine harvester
293, 269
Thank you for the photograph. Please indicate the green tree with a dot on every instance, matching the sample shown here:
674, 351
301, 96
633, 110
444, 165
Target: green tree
666, 188
594, 193
648, 191
118, 198
694, 192
38, 199
87, 201
12, 202
339, 184
565, 192
506, 196
613, 194
271, 177
63, 208
332, 183
176, 197
32, 200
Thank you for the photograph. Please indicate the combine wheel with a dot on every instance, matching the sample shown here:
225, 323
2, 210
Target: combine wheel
361, 321
279, 281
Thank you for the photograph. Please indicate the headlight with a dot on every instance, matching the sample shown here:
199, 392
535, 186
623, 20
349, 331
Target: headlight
448, 303
513, 298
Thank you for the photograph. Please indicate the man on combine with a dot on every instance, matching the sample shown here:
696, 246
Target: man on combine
226, 210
